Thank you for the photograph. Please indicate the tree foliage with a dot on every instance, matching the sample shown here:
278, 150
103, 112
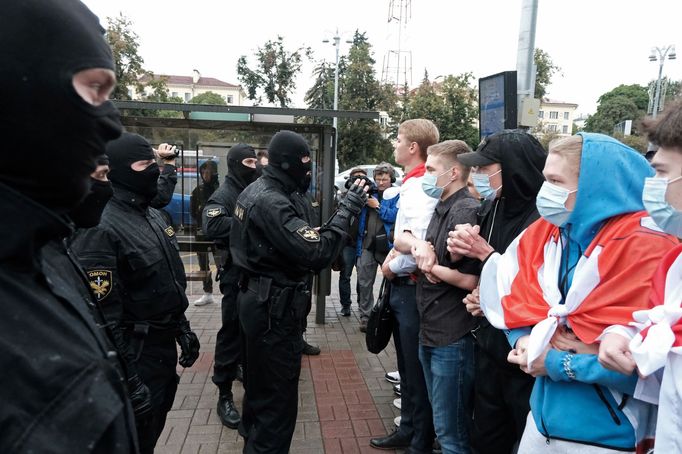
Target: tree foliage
625, 102
361, 140
637, 93
124, 46
274, 76
544, 71
451, 104
208, 97
321, 94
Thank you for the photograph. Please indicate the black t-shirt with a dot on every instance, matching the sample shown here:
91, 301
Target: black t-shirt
443, 317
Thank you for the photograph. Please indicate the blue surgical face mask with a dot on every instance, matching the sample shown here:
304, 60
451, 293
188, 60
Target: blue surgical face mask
551, 203
663, 214
429, 185
482, 185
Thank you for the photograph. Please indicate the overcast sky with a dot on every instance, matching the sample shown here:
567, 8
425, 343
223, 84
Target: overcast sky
599, 44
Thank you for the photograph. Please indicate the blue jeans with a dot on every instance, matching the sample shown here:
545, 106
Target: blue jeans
349, 255
449, 375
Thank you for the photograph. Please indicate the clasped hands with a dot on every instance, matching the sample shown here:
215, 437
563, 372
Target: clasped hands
466, 241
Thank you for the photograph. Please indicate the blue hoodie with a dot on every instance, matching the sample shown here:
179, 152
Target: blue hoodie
584, 409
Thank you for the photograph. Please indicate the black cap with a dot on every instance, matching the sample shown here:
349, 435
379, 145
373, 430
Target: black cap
488, 152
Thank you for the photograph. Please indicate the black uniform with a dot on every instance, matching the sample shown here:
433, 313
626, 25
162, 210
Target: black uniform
165, 186
277, 250
61, 388
217, 223
136, 274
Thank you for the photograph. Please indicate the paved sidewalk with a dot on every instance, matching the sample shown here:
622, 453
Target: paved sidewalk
344, 399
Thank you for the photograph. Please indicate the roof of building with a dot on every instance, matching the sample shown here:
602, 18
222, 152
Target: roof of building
554, 101
187, 80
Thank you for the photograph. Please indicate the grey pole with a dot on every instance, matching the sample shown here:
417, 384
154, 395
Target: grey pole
525, 62
337, 40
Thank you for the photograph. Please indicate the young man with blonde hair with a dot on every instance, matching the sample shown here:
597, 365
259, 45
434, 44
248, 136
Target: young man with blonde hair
446, 346
415, 209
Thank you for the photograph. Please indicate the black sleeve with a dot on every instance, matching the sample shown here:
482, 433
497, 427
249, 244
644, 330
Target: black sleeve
165, 187
216, 222
294, 238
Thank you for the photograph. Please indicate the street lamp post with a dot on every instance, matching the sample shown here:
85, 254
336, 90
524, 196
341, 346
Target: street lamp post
337, 42
658, 53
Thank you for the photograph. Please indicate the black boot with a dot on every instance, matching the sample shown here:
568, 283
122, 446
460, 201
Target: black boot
227, 412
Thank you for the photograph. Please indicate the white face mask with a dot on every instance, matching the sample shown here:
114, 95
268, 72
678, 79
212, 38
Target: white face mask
664, 215
551, 203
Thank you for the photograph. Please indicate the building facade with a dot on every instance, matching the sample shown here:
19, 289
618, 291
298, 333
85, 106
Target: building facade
187, 87
556, 117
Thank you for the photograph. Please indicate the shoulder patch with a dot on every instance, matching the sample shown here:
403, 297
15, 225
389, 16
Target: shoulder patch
309, 234
101, 282
213, 212
169, 231
239, 211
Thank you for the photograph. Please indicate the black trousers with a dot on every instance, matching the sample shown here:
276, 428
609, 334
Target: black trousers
205, 265
156, 367
501, 395
228, 348
272, 368
416, 418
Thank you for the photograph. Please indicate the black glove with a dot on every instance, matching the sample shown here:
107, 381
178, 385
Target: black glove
140, 397
189, 344
354, 200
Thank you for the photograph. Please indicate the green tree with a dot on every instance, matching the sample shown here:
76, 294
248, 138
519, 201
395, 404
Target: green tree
208, 97
321, 94
544, 71
450, 104
124, 46
637, 93
611, 112
274, 76
362, 140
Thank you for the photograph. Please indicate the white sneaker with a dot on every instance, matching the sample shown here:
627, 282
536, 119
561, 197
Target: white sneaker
396, 421
392, 377
204, 300
397, 403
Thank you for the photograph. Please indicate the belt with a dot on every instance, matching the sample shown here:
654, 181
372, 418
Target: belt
403, 281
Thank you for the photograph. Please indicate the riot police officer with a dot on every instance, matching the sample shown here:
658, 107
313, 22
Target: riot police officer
62, 390
136, 274
217, 223
276, 251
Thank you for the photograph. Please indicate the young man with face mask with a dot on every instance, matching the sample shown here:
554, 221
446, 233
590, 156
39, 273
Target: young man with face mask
446, 347
584, 266
242, 170
136, 274
651, 342
62, 382
276, 251
507, 174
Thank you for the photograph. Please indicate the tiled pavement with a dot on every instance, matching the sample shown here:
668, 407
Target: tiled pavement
344, 399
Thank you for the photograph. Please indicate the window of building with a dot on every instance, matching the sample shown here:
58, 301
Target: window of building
188, 96
553, 115
229, 99
541, 114
564, 129
174, 94
565, 115
130, 93
551, 128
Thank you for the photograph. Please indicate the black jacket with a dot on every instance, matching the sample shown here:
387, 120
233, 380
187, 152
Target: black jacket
165, 187
132, 262
270, 238
61, 389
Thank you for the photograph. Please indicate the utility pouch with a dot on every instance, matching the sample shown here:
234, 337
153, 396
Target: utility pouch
299, 302
279, 304
264, 286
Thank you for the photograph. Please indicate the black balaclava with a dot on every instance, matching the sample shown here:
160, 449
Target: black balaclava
89, 212
126, 150
43, 43
242, 174
286, 149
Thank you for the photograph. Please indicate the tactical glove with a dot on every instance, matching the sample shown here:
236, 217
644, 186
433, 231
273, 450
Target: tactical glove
354, 200
140, 397
189, 344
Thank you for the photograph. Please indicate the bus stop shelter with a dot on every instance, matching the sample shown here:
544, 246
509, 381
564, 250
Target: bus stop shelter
207, 132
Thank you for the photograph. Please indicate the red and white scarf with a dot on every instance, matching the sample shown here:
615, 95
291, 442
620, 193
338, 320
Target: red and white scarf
659, 345
611, 280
